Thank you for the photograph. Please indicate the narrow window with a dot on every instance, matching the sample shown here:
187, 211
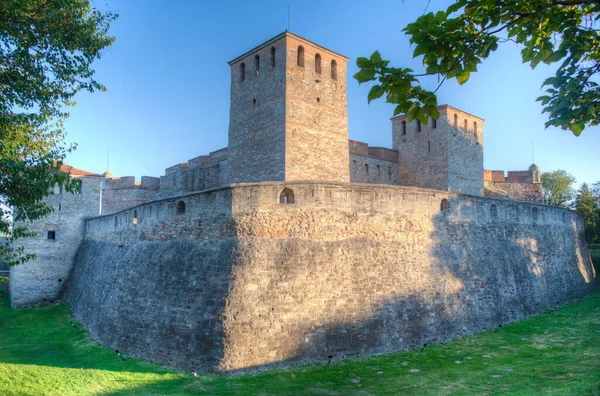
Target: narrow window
272, 57
493, 211
116, 223
333, 70
301, 56
378, 170
418, 126
564, 217
354, 163
466, 125
429, 146
318, 64
52, 235
180, 207
390, 172
444, 205
135, 219
257, 65
242, 71
535, 214
475, 128
367, 168
404, 127
286, 196
455, 121
433, 123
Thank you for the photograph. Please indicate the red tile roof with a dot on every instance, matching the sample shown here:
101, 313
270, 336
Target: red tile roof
76, 172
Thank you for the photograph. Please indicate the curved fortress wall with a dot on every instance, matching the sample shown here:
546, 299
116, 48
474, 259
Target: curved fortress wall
241, 281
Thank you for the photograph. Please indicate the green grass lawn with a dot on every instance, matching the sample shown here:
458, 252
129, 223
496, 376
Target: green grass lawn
43, 351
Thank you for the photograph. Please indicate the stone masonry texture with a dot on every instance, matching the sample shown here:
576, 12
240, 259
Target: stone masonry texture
294, 243
241, 282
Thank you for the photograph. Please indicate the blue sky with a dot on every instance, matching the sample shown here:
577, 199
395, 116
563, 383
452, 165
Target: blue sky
168, 84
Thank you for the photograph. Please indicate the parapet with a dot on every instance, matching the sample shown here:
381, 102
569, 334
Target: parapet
382, 153
118, 183
530, 176
200, 161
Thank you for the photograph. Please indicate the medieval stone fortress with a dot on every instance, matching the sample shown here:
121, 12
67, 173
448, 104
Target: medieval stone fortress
294, 244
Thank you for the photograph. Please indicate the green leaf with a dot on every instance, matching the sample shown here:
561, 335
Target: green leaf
577, 129
375, 93
463, 76
363, 63
376, 57
365, 75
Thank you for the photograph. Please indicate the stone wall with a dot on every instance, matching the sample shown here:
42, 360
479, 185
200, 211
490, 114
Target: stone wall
124, 192
42, 280
242, 282
520, 185
316, 113
257, 114
375, 165
446, 154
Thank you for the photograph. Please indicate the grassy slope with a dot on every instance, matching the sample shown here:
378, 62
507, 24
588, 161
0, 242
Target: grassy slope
42, 351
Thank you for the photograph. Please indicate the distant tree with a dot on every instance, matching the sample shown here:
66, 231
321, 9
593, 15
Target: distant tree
46, 51
587, 206
558, 188
455, 41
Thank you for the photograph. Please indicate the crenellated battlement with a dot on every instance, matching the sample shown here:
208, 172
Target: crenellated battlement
117, 183
519, 185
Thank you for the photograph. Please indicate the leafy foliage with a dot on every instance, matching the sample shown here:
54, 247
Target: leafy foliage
454, 42
46, 52
587, 206
558, 188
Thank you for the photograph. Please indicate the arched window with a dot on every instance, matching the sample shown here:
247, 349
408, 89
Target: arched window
455, 121
444, 205
466, 125
475, 128
418, 126
333, 70
433, 123
286, 196
564, 217
301, 56
180, 207
494, 211
318, 64
242, 71
257, 65
404, 127
135, 217
367, 168
535, 215
272, 57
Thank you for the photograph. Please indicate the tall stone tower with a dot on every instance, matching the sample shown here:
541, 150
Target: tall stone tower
289, 113
446, 154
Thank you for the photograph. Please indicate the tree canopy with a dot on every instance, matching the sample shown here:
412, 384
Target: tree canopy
587, 206
454, 42
46, 52
558, 188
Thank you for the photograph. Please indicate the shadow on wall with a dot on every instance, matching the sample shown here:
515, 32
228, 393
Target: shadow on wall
428, 280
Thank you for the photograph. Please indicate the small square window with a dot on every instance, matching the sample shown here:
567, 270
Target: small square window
52, 235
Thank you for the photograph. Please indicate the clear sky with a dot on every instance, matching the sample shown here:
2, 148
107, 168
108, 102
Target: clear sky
168, 84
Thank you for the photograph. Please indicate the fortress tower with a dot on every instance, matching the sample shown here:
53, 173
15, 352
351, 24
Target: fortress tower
446, 154
289, 113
